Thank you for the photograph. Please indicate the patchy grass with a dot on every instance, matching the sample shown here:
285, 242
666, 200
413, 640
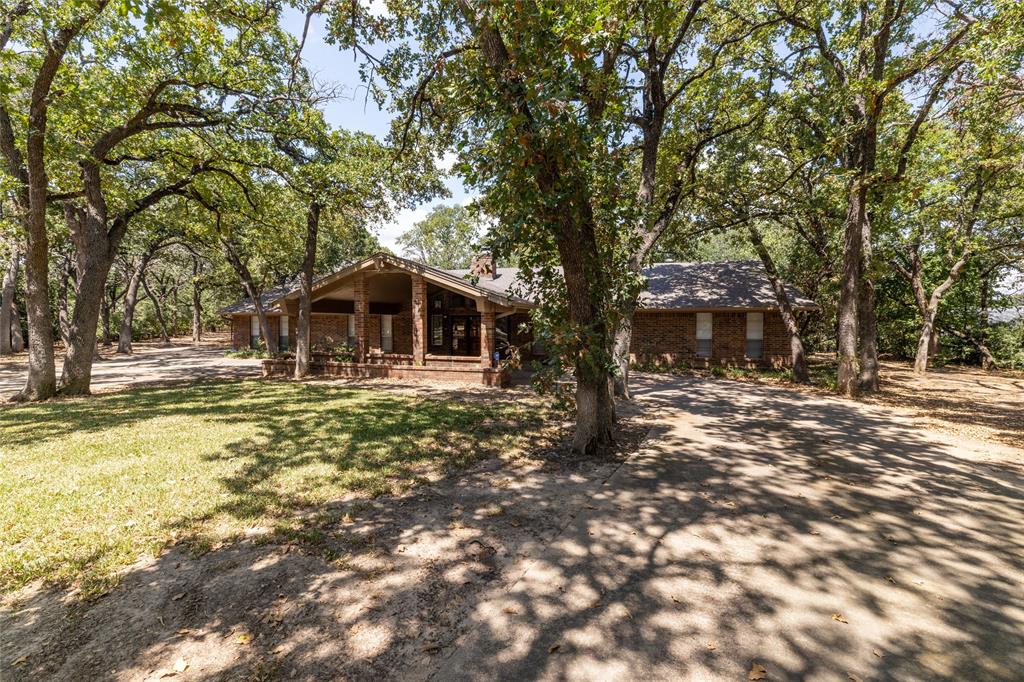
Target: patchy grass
91, 485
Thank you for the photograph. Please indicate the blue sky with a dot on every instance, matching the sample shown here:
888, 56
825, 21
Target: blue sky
353, 110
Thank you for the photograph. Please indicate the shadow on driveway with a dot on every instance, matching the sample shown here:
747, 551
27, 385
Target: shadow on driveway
820, 538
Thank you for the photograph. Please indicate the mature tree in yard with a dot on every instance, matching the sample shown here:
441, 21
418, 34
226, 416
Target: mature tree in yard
966, 201
130, 98
446, 238
867, 61
582, 125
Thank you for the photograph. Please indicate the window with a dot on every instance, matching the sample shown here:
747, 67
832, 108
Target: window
282, 338
386, 343
703, 335
254, 331
436, 330
351, 331
755, 335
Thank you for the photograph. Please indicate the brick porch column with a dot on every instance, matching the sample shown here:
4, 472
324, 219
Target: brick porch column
419, 320
362, 311
487, 343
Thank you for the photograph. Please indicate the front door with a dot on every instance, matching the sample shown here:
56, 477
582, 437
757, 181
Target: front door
465, 335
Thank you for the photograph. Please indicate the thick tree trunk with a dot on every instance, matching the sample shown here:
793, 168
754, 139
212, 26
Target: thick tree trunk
306, 292
131, 299
867, 380
848, 332
924, 342
164, 335
42, 370
796, 345
7, 310
595, 414
578, 253
93, 268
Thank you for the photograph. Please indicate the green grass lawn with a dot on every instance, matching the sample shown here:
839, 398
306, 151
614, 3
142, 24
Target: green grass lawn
90, 485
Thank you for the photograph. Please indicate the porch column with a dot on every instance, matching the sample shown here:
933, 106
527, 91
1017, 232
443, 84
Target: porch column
362, 312
419, 320
487, 343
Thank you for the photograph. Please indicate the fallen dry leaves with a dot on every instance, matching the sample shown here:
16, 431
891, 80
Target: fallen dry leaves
839, 617
757, 672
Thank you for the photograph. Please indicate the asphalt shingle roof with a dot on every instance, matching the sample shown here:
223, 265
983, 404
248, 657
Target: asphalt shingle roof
671, 286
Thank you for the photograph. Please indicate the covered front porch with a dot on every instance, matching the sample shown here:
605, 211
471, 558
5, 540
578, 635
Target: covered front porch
390, 318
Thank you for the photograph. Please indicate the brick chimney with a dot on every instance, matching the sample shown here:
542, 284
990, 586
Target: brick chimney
483, 266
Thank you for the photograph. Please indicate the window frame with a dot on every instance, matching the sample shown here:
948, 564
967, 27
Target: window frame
254, 331
758, 340
283, 333
700, 350
388, 347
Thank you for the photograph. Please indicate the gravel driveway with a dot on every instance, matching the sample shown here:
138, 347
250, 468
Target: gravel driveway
149, 364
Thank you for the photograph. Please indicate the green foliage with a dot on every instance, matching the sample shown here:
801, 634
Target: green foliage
446, 238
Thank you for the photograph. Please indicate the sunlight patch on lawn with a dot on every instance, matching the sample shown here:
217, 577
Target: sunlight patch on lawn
91, 485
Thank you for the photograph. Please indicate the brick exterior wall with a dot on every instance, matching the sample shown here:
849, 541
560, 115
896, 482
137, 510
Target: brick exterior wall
665, 338
660, 338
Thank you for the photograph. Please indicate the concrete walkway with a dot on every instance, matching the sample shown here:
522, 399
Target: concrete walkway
149, 364
819, 538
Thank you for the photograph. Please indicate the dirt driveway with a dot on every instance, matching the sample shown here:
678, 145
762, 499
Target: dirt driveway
151, 363
819, 538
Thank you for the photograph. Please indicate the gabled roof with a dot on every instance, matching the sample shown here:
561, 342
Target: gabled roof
453, 279
728, 285
739, 285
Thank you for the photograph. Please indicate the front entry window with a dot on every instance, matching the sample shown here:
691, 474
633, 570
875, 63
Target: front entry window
437, 330
460, 337
386, 338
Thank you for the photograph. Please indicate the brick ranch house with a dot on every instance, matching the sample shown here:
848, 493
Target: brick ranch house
408, 320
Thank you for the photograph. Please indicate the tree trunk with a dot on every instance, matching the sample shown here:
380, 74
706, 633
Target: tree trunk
197, 303
17, 340
867, 381
306, 292
848, 332
796, 345
164, 336
578, 253
105, 319
7, 310
131, 299
250, 289
93, 268
620, 353
924, 341
63, 321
